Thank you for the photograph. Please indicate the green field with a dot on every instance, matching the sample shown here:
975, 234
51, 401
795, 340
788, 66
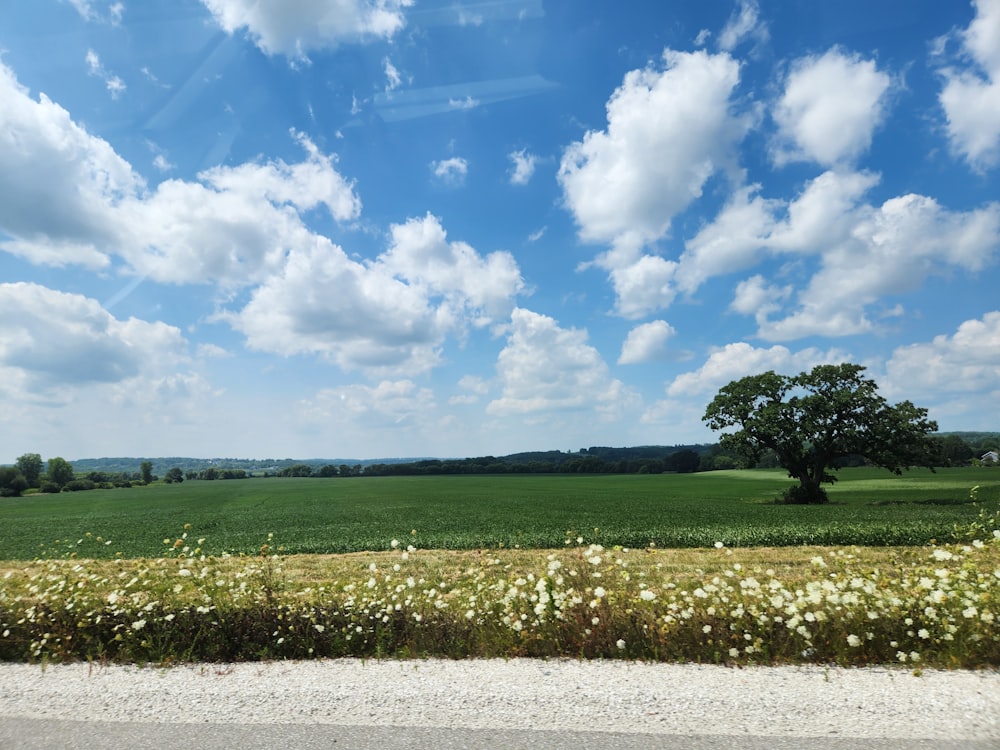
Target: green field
868, 507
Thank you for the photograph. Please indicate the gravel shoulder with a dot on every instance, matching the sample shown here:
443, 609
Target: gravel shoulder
520, 694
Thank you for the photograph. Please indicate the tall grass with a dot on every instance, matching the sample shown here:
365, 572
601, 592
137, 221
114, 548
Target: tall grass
933, 606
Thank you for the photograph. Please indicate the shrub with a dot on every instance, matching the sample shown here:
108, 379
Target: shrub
804, 495
79, 485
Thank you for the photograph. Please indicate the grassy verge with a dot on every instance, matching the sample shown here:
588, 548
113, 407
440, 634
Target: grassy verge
919, 606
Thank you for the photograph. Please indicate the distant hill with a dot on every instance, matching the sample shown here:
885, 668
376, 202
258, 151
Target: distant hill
162, 464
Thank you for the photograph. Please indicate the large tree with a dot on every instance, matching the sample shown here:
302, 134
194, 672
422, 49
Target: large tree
812, 419
60, 471
30, 466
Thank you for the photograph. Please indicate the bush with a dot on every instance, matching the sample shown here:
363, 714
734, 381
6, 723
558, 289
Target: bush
79, 485
49, 487
800, 495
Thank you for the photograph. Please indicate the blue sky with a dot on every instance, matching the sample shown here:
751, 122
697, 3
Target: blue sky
375, 228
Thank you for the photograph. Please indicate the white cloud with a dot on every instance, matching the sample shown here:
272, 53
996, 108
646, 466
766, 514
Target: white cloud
236, 225
830, 109
825, 214
754, 296
546, 369
523, 166
386, 317
858, 255
115, 85
971, 95
734, 361
893, 249
647, 343
295, 29
951, 367
70, 199
475, 388
61, 186
392, 78
451, 171
731, 242
162, 163
743, 24
55, 340
361, 409
322, 302
467, 103
421, 254
84, 8
668, 131
643, 286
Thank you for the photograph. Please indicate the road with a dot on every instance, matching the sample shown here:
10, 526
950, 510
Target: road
495, 704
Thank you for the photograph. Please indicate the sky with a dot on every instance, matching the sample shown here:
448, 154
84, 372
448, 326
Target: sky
452, 228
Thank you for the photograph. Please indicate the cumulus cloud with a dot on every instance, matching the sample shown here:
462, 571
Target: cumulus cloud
53, 339
731, 242
830, 108
737, 360
647, 343
295, 29
688, 394
968, 361
668, 130
893, 249
451, 171
362, 408
421, 254
545, 368
61, 185
70, 199
523, 166
643, 285
971, 93
322, 302
856, 254
385, 317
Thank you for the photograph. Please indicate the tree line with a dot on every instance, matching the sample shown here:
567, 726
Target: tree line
30, 472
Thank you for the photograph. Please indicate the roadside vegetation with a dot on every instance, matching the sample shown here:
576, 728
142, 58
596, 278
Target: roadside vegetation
931, 606
932, 603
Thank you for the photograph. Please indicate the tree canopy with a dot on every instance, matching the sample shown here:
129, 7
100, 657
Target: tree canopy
812, 419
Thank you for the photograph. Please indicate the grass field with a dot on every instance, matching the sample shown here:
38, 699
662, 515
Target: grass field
868, 507
595, 587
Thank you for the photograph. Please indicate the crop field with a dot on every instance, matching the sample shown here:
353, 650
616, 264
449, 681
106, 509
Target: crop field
552, 566
868, 507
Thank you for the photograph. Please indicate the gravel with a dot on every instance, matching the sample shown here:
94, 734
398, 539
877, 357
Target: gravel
608, 696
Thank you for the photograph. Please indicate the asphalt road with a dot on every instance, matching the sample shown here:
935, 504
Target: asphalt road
67, 734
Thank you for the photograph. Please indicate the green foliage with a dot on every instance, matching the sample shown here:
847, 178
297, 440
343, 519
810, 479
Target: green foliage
315, 515
174, 475
30, 467
12, 482
60, 471
815, 419
146, 470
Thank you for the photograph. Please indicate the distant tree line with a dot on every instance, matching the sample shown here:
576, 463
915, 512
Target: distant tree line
31, 472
